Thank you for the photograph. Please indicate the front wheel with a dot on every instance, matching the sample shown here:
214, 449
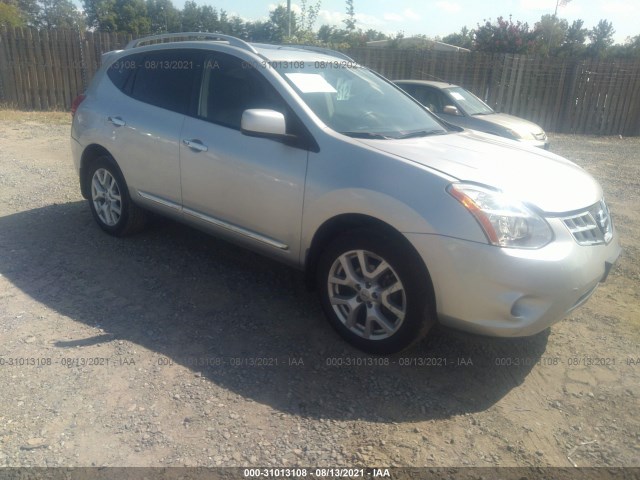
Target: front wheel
110, 203
375, 292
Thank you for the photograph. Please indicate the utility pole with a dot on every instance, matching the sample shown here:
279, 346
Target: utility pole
289, 18
560, 3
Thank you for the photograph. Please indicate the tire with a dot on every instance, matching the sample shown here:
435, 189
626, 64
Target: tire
386, 310
109, 199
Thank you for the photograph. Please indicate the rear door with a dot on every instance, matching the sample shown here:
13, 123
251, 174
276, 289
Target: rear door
145, 128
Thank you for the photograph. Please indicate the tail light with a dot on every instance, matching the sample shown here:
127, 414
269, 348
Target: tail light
76, 103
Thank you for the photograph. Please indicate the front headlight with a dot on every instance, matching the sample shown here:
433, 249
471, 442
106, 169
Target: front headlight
505, 221
514, 135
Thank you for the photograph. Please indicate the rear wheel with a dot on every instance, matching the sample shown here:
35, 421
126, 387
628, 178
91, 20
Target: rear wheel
375, 292
109, 200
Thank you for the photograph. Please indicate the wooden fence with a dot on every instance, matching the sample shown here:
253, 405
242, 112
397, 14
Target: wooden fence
45, 70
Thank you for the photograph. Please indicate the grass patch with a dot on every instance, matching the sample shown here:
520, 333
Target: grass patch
52, 118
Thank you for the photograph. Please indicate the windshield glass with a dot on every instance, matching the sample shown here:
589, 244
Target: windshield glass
354, 101
469, 102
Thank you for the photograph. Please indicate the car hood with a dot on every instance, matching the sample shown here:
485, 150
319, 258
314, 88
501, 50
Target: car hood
534, 176
524, 127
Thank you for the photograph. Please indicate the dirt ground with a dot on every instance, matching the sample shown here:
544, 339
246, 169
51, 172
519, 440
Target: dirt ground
172, 348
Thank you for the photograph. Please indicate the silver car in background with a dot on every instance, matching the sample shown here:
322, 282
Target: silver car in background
309, 158
462, 108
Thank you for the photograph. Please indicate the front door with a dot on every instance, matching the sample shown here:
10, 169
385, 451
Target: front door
249, 188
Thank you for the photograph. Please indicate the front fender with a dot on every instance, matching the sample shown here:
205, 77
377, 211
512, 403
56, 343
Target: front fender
408, 196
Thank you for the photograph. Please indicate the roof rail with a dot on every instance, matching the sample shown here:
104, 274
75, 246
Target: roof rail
234, 41
324, 50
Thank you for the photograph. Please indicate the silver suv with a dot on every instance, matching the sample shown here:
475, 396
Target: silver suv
398, 219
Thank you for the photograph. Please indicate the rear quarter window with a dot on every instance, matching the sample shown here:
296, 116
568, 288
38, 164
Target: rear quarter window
122, 70
166, 79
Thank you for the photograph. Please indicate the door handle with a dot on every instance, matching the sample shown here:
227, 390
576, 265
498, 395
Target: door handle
196, 145
117, 121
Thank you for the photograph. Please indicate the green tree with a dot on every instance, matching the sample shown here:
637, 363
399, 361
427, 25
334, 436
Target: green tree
209, 18
238, 28
163, 16
132, 16
279, 19
550, 33
190, 17
224, 24
309, 15
573, 44
10, 15
372, 35
503, 36
334, 37
630, 48
326, 33
634, 44
206, 19
47, 13
101, 15
30, 11
304, 34
463, 39
60, 14
118, 16
260, 31
44, 13
601, 37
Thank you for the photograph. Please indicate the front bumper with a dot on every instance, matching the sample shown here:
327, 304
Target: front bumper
507, 292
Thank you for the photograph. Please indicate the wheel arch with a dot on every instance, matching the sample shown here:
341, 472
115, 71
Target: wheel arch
343, 223
90, 153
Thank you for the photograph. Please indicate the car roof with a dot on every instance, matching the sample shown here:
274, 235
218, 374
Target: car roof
299, 52
440, 85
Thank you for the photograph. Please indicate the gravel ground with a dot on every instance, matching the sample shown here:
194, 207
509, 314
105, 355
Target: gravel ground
173, 348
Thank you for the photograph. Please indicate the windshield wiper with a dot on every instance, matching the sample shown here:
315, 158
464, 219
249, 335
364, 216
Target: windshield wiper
422, 133
371, 135
481, 113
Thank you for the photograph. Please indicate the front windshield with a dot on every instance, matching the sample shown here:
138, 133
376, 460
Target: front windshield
469, 102
354, 101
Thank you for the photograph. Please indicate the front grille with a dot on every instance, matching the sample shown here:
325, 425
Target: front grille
591, 227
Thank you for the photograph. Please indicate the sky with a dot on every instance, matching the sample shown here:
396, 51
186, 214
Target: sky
441, 17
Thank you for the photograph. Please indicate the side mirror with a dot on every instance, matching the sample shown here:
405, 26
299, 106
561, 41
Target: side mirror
262, 122
451, 110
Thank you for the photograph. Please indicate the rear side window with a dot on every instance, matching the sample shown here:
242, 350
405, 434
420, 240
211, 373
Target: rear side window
165, 79
122, 70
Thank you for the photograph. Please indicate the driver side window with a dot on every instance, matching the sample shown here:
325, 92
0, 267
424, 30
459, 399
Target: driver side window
434, 100
229, 87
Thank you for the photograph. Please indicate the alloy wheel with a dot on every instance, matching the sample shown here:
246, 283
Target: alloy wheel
367, 294
105, 194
